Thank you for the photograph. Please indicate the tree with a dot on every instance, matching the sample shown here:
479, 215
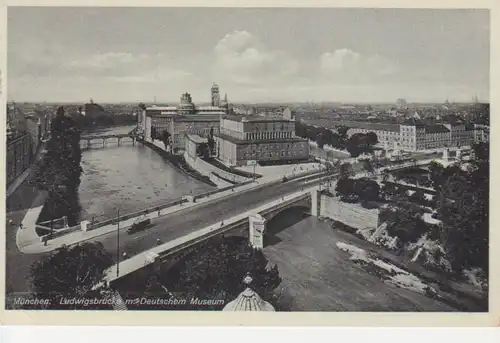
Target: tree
385, 175
320, 140
346, 170
165, 137
368, 166
406, 223
372, 138
367, 190
342, 131
356, 144
345, 190
59, 171
70, 272
436, 174
153, 133
463, 207
216, 271
211, 141
390, 191
419, 198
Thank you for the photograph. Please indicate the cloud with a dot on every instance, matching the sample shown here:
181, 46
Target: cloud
348, 64
243, 59
127, 67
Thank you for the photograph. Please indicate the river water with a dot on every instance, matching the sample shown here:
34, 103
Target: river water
129, 178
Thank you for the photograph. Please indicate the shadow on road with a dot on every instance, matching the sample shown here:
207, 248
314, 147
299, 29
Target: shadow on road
283, 220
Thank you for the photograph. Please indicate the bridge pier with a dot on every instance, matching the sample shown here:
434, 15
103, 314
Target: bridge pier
315, 203
119, 139
257, 226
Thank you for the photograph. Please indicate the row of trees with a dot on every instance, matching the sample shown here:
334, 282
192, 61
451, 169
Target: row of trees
463, 207
214, 271
461, 204
105, 120
59, 172
71, 273
207, 150
356, 145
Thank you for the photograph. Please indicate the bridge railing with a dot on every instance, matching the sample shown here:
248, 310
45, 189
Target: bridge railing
204, 234
223, 229
202, 238
98, 224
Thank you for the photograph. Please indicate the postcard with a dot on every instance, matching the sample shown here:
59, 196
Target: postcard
313, 164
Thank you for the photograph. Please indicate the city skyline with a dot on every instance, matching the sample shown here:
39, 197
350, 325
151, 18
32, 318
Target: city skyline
254, 55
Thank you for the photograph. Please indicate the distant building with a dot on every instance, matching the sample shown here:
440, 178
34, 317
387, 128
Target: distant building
414, 135
288, 114
193, 142
261, 139
401, 104
187, 118
215, 95
481, 133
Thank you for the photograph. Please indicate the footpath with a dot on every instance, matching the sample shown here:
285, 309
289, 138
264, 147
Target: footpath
28, 241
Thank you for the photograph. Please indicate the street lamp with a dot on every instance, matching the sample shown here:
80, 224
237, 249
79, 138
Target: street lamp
118, 244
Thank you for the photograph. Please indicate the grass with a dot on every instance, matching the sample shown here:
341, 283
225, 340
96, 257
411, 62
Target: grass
223, 178
235, 171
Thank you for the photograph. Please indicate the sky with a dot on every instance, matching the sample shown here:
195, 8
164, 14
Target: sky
254, 55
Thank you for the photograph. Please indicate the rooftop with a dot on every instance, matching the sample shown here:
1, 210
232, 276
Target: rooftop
203, 110
436, 128
368, 125
197, 139
413, 122
256, 119
260, 141
198, 118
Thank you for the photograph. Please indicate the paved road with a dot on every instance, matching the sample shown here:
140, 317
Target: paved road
183, 222
17, 267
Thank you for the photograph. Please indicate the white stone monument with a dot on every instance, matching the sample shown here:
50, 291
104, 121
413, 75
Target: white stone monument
257, 226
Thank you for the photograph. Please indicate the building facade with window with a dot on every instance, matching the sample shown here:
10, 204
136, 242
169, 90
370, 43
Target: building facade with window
261, 139
415, 135
186, 118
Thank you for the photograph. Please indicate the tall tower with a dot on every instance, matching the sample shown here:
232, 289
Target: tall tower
215, 95
225, 104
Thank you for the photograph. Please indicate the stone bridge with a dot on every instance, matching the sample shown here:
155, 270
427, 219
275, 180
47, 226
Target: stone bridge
105, 138
160, 259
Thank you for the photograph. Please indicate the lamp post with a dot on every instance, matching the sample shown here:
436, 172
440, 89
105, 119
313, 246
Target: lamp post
118, 244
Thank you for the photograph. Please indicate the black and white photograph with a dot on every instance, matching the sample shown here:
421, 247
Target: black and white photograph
271, 159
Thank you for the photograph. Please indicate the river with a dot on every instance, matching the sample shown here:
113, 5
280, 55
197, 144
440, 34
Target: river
129, 178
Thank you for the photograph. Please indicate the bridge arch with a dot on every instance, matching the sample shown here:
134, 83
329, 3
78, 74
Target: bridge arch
280, 221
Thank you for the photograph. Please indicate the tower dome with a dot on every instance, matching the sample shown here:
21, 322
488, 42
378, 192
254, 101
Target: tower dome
248, 300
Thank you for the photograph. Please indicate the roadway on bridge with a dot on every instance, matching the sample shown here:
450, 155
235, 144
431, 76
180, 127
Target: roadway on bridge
183, 222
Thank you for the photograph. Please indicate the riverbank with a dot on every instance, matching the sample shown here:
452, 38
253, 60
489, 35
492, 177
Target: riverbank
178, 162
